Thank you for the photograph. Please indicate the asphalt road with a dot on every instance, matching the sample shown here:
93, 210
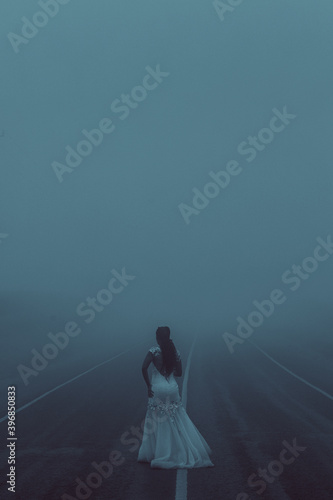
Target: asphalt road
247, 407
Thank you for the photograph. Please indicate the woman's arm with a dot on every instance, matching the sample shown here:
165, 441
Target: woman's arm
146, 362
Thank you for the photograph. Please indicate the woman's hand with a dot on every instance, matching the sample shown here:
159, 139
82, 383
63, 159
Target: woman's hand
150, 392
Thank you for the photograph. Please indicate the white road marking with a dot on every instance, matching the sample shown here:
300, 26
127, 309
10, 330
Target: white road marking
292, 373
181, 482
68, 382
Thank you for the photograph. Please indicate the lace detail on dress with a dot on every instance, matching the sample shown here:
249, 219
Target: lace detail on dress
167, 409
157, 350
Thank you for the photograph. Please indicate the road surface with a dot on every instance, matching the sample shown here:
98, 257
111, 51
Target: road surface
247, 407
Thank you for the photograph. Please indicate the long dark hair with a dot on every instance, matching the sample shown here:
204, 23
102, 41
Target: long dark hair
168, 348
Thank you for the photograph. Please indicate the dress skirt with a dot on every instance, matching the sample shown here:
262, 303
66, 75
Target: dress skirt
170, 439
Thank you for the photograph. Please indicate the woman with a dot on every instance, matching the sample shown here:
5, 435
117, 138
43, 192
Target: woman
170, 439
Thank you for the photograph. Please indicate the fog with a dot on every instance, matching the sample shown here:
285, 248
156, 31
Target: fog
120, 207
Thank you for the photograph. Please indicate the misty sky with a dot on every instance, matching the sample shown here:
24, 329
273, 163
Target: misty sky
119, 207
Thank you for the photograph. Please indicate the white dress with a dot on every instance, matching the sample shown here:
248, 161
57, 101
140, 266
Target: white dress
170, 439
